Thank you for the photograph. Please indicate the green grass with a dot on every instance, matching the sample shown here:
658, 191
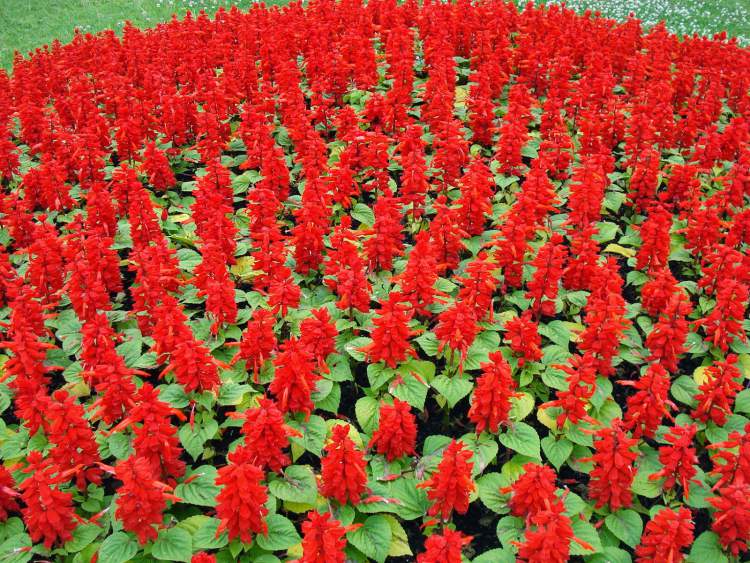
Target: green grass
28, 24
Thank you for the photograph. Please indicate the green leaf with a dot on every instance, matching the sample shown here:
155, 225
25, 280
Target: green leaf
366, 410
684, 390
626, 525
82, 536
297, 485
202, 490
373, 538
557, 451
498, 555
119, 445
173, 544
205, 537
400, 541
521, 406
174, 395
610, 554
742, 401
354, 347
193, 438
413, 502
584, 531
489, 486
118, 548
557, 332
281, 534
706, 547
452, 388
509, 529
523, 439
364, 214
485, 450
313, 433
231, 393
411, 390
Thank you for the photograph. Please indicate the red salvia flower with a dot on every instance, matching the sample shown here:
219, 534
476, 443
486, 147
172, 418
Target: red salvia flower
240, 505
678, 459
613, 472
444, 548
323, 539
522, 334
716, 394
451, 484
390, 337
318, 334
294, 378
548, 264
49, 514
533, 491
258, 340
203, 557
457, 328
157, 168
417, 282
731, 458
731, 521
141, 499
396, 434
649, 405
342, 469
665, 536
548, 536
266, 435
494, 389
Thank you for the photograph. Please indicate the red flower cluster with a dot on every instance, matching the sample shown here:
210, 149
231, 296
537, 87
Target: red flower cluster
451, 484
343, 468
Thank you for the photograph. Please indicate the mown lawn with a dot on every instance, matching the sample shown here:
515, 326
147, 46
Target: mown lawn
27, 24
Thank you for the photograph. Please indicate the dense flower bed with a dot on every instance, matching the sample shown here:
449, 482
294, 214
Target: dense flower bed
344, 282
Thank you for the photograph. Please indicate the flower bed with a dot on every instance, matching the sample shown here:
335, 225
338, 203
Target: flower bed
385, 282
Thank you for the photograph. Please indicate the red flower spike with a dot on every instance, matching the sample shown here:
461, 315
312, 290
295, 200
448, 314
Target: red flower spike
731, 520
665, 536
444, 548
266, 435
140, 499
451, 484
294, 378
678, 459
323, 539
241, 501
716, 394
390, 337
342, 469
396, 434
491, 399
533, 491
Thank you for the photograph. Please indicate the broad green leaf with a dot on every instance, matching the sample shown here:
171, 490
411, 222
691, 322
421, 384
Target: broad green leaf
626, 525
281, 534
298, 484
83, 535
557, 451
373, 538
489, 486
707, 548
452, 388
202, 489
586, 532
206, 537
194, 438
523, 439
399, 539
118, 548
410, 390
173, 544
366, 410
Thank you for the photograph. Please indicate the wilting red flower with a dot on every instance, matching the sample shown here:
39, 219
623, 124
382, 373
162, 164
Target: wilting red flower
731, 521
678, 458
665, 536
390, 337
323, 539
141, 499
457, 328
533, 491
716, 394
613, 472
451, 484
522, 334
49, 515
490, 402
732, 458
241, 501
342, 469
266, 435
396, 434
650, 404
294, 378
444, 548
